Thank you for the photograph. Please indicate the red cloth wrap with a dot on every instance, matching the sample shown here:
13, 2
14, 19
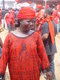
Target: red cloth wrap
26, 13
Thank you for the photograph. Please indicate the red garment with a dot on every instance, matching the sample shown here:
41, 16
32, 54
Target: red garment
55, 16
40, 17
17, 0
51, 30
26, 13
47, 6
7, 18
41, 24
39, 7
23, 56
12, 17
51, 27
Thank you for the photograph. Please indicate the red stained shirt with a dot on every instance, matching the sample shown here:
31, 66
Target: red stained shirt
23, 56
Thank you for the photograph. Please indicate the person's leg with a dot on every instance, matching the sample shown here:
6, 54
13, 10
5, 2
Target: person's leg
52, 67
9, 27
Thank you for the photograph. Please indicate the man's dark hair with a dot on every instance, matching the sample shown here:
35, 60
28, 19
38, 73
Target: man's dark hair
52, 6
49, 11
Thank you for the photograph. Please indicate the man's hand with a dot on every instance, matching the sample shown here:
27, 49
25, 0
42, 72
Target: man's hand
0, 77
45, 36
49, 75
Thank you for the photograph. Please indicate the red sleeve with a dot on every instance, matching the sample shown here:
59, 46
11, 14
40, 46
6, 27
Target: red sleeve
5, 55
42, 54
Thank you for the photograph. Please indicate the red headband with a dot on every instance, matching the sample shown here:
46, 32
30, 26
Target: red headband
26, 13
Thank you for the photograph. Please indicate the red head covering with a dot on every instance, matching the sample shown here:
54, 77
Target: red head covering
26, 13
17, 0
39, 6
47, 6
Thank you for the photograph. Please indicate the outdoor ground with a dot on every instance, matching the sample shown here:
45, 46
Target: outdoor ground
57, 56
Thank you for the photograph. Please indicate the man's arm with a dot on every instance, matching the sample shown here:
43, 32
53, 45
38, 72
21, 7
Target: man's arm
4, 56
42, 54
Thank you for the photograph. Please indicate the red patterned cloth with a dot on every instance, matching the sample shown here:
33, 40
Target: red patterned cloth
26, 13
23, 56
17, 0
51, 28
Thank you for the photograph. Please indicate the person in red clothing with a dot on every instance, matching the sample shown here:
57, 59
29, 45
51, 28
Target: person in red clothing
23, 49
12, 17
8, 20
55, 16
40, 20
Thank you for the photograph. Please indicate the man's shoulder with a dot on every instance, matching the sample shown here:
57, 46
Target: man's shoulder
45, 24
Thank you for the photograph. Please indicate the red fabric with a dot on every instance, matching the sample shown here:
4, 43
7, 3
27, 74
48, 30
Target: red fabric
23, 55
7, 18
40, 17
47, 6
55, 16
41, 22
51, 28
17, 0
39, 6
12, 17
26, 13
40, 14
